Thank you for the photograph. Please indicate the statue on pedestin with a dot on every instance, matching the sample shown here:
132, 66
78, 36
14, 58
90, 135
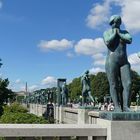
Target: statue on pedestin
117, 65
86, 89
64, 94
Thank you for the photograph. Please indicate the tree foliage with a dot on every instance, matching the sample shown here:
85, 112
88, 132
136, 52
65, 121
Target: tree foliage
75, 88
100, 86
18, 114
5, 93
135, 85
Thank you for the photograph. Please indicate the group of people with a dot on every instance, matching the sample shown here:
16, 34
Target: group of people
106, 106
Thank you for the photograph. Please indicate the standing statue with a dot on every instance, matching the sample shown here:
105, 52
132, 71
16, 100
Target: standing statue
86, 89
64, 94
137, 99
117, 65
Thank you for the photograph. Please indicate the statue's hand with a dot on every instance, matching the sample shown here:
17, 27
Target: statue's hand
114, 31
117, 31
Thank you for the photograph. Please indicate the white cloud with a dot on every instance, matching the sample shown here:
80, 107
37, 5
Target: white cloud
134, 61
49, 81
90, 46
55, 45
70, 54
32, 88
95, 70
18, 81
99, 59
129, 11
98, 14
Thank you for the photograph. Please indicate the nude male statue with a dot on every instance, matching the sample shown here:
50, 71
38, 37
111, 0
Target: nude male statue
117, 65
86, 88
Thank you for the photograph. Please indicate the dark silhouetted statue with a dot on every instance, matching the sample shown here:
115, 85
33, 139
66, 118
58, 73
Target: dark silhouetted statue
64, 94
86, 88
117, 65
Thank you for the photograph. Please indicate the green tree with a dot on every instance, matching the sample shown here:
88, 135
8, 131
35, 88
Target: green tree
75, 89
5, 93
135, 84
100, 86
18, 114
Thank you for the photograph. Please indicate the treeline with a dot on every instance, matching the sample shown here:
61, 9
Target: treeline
6, 94
100, 86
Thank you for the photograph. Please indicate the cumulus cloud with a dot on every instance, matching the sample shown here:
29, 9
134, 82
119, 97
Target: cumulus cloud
134, 61
70, 54
49, 81
98, 14
55, 45
95, 70
33, 88
18, 81
99, 59
90, 46
129, 11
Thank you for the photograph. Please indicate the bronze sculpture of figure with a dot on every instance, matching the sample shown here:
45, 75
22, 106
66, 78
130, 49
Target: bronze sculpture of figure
117, 65
86, 88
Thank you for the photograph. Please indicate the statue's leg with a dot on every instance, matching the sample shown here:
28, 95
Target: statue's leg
90, 96
126, 82
112, 71
83, 98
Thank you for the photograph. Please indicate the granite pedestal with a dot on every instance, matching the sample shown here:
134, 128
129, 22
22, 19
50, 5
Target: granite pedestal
120, 116
120, 125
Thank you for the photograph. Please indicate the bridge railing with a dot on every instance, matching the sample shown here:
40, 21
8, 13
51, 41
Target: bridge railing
53, 131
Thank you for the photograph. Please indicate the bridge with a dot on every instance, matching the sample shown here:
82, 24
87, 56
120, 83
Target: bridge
83, 123
51, 131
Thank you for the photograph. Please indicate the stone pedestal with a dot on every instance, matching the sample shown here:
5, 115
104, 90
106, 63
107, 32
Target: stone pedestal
121, 125
83, 116
120, 116
39, 110
121, 130
61, 114
57, 114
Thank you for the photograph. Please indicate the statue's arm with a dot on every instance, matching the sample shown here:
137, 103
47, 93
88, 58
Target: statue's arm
109, 37
125, 36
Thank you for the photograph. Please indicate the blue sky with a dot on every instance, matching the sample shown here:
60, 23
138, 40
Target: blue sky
42, 40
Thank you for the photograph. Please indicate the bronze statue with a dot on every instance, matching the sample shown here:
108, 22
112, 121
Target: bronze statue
64, 94
86, 88
117, 65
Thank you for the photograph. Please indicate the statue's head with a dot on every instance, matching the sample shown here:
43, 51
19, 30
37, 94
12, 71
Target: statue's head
64, 84
115, 21
87, 72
